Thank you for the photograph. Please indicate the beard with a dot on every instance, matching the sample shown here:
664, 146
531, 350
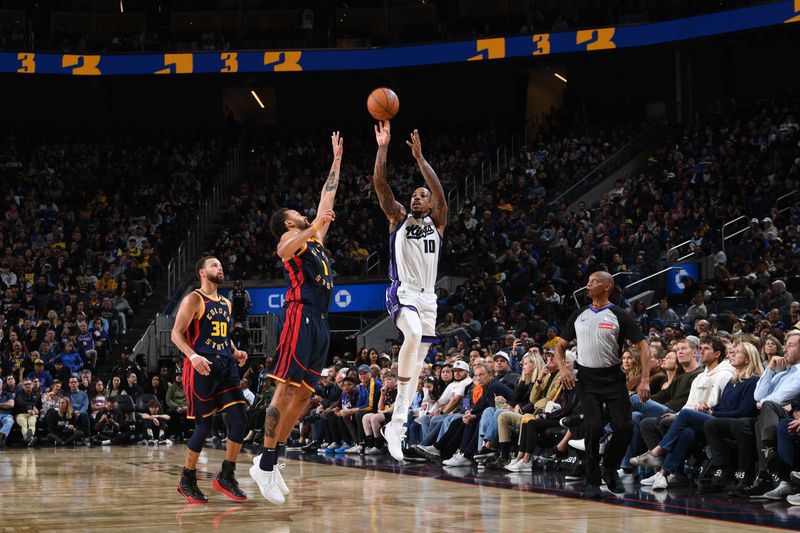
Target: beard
303, 225
218, 279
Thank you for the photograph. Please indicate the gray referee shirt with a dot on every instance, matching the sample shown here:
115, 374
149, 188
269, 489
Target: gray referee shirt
601, 334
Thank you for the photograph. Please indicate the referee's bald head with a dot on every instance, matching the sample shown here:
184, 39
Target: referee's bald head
600, 284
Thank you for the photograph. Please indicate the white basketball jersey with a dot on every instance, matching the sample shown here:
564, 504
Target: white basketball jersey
414, 250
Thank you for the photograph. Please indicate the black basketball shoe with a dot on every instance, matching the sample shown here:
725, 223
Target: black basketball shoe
187, 487
226, 483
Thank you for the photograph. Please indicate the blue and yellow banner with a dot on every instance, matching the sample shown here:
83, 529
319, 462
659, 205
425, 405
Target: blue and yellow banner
540, 44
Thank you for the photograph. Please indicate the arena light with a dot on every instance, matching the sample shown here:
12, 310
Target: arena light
121, 7
559, 76
258, 100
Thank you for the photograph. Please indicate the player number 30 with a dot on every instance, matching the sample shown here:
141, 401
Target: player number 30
219, 329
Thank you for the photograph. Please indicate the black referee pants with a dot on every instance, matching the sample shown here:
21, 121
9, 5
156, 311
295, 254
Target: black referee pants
597, 387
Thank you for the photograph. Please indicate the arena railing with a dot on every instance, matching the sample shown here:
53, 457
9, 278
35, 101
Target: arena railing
611, 164
208, 211
725, 238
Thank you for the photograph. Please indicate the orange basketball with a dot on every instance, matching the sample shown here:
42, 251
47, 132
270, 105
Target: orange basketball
383, 104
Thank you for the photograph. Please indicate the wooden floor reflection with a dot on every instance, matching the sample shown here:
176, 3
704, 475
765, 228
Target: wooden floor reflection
133, 489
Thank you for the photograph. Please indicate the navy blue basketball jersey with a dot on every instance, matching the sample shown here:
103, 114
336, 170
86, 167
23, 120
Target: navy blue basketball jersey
309, 277
208, 335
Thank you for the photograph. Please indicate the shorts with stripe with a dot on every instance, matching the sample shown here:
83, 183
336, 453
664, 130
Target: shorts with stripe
303, 346
206, 395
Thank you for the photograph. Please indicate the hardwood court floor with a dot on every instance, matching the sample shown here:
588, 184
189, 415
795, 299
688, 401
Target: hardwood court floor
133, 489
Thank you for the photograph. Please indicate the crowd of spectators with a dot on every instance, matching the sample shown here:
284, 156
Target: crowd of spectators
86, 228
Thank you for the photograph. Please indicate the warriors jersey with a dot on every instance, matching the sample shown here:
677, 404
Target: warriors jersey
310, 278
208, 335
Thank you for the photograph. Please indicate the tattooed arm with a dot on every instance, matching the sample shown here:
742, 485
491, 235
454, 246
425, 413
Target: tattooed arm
328, 195
439, 209
391, 207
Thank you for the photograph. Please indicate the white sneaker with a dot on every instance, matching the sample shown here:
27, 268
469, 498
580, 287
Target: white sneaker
625, 477
277, 468
659, 481
449, 462
521, 466
168, 442
511, 464
373, 451
578, 444
394, 435
355, 449
105, 443
647, 460
780, 492
268, 484
458, 460
648, 481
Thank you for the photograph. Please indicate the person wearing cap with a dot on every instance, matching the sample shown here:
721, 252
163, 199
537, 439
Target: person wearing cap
601, 330
385, 360
770, 231
502, 370
667, 401
447, 407
44, 377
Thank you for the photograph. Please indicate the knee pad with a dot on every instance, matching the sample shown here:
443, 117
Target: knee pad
202, 427
237, 422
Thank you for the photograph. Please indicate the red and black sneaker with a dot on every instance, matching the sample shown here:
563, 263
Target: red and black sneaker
187, 487
226, 483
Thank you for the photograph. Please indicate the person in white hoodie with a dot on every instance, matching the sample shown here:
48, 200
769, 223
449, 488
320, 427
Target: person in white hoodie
703, 396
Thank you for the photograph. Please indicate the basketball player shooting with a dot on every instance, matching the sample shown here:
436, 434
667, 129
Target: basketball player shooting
210, 378
415, 244
303, 322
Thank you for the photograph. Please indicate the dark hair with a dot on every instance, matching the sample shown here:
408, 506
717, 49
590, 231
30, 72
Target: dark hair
201, 264
351, 380
277, 223
717, 345
153, 403
111, 399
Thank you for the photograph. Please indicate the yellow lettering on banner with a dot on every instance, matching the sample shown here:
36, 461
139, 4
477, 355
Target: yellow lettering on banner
231, 61
541, 42
288, 61
600, 39
27, 63
177, 64
489, 49
796, 17
84, 65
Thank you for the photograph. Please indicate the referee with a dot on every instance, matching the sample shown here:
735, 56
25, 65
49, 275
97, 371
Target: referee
601, 330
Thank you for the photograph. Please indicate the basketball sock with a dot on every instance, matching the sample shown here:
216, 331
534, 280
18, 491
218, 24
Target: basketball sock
370, 441
280, 449
505, 448
267, 460
187, 473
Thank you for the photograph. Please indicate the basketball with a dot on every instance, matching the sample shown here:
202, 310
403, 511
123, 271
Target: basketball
383, 104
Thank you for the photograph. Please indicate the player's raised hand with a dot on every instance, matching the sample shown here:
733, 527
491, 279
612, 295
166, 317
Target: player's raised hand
383, 133
415, 144
338, 145
240, 356
326, 217
200, 364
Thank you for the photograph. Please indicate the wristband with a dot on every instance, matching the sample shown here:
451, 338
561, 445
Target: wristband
191, 357
337, 158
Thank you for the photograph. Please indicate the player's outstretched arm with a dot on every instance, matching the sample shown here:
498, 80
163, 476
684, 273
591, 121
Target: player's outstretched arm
328, 195
391, 207
189, 308
439, 210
